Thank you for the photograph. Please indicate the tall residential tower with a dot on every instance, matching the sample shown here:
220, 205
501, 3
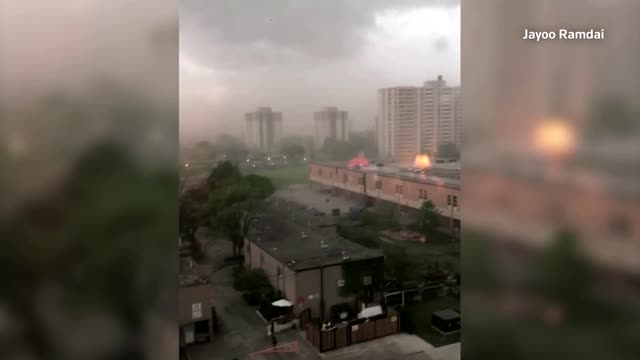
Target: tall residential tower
331, 123
415, 120
263, 129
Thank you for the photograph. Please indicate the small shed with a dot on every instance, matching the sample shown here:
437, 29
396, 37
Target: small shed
446, 320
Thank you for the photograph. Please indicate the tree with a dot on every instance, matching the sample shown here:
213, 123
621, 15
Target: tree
229, 221
108, 238
613, 116
232, 148
363, 141
387, 217
563, 272
223, 172
333, 149
428, 219
336, 150
383, 218
448, 150
261, 186
397, 264
293, 151
205, 151
233, 198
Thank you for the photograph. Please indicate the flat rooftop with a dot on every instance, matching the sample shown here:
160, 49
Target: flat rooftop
617, 174
302, 238
447, 314
442, 174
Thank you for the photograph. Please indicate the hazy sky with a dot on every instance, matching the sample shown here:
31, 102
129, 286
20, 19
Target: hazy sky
298, 56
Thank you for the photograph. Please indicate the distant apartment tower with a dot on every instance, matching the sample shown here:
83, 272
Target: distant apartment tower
263, 129
331, 123
398, 122
415, 120
441, 115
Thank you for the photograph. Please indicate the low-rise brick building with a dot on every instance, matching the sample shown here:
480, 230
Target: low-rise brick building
196, 312
304, 258
396, 184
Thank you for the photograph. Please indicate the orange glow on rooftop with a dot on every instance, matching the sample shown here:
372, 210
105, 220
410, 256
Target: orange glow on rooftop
422, 161
554, 137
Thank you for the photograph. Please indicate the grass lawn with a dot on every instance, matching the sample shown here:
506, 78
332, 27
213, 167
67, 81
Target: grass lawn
420, 314
438, 249
287, 176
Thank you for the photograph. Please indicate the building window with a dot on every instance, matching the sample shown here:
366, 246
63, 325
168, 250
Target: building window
261, 259
367, 280
345, 178
422, 194
248, 249
399, 189
336, 170
452, 200
361, 181
378, 184
320, 171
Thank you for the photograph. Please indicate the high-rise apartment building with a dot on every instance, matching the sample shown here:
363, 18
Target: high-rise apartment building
398, 122
331, 123
263, 129
415, 120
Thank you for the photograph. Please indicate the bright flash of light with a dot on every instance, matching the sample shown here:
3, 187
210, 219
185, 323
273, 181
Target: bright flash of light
422, 161
554, 137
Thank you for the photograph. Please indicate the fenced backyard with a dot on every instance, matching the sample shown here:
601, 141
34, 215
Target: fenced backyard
351, 332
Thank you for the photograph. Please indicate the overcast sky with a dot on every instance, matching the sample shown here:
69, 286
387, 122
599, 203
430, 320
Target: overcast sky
298, 56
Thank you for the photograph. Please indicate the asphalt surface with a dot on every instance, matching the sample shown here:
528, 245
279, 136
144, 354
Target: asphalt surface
241, 331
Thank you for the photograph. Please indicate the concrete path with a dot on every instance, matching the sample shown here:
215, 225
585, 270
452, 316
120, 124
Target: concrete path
241, 331
395, 347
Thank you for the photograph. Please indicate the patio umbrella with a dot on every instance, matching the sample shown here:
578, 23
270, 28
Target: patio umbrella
282, 303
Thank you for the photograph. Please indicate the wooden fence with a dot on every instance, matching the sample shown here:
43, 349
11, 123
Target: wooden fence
351, 333
305, 317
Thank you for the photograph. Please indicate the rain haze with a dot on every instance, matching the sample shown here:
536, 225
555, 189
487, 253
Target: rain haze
300, 56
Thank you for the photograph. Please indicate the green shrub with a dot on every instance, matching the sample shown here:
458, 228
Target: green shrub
250, 280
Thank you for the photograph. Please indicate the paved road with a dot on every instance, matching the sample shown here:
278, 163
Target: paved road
241, 329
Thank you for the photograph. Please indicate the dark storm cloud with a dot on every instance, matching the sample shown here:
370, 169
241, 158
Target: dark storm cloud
300, 55
244, 33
